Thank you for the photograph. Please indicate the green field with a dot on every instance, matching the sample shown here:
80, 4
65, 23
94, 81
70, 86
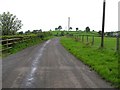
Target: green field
103, 60
75, 33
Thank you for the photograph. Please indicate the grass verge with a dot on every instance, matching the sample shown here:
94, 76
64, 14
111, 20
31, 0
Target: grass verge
22, 45
103, 61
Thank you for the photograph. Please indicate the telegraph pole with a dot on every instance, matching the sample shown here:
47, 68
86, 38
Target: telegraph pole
68, 23
118, 34
103, 24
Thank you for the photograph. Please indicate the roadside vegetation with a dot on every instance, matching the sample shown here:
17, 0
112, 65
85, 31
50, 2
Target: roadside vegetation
33, 39
28, 43
103, 60
13, 40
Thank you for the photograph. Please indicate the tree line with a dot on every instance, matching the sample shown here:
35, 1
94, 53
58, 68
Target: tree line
10, 24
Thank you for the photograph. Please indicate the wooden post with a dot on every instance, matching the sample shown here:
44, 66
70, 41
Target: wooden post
79, 37
103, 24
92, 40
117, 45
74, 36
87, 38
82, 38
7, 43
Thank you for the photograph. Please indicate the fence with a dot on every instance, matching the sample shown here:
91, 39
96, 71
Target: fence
90, 39
8, 43
83, 38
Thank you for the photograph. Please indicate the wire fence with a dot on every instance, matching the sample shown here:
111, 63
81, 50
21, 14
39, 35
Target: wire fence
113, 43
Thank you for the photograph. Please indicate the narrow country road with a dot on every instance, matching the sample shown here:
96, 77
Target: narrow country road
48, 65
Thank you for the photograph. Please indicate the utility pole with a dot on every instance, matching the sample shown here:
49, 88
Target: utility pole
118, 34
68, 23
103, 24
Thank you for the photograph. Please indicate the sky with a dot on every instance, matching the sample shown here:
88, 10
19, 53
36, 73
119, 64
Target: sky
49, 14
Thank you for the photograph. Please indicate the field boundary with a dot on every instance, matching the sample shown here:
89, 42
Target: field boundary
8, 43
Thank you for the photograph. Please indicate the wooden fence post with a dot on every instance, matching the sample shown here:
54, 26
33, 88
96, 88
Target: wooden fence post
73, 36
117, 45
7, 43
87, 38
92, 40
82, 38
79, 37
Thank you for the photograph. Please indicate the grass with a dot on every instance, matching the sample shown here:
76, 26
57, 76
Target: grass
103, 61
75, 33
22, 45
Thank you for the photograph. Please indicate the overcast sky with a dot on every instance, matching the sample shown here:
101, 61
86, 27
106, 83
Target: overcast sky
49, 14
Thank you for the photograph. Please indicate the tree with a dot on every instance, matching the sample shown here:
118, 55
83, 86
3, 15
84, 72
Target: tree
20, 32
110, 34
100, 33
27, 32
40, 30
59, 27
77, 29
34, 31
9, 23
70, 28
56, 29
87, 29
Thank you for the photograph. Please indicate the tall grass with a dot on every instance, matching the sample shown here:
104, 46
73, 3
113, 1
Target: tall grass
103, 61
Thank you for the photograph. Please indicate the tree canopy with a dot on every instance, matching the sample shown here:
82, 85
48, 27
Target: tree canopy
9, 23
59, 27
70, 28
77, 29
87, 29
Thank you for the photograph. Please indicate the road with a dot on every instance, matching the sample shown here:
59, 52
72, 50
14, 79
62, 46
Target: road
48, 65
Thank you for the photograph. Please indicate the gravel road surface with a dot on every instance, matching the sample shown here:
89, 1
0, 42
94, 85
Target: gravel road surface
48, 65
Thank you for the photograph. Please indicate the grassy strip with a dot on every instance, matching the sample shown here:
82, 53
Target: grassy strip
22, 45
103, 61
